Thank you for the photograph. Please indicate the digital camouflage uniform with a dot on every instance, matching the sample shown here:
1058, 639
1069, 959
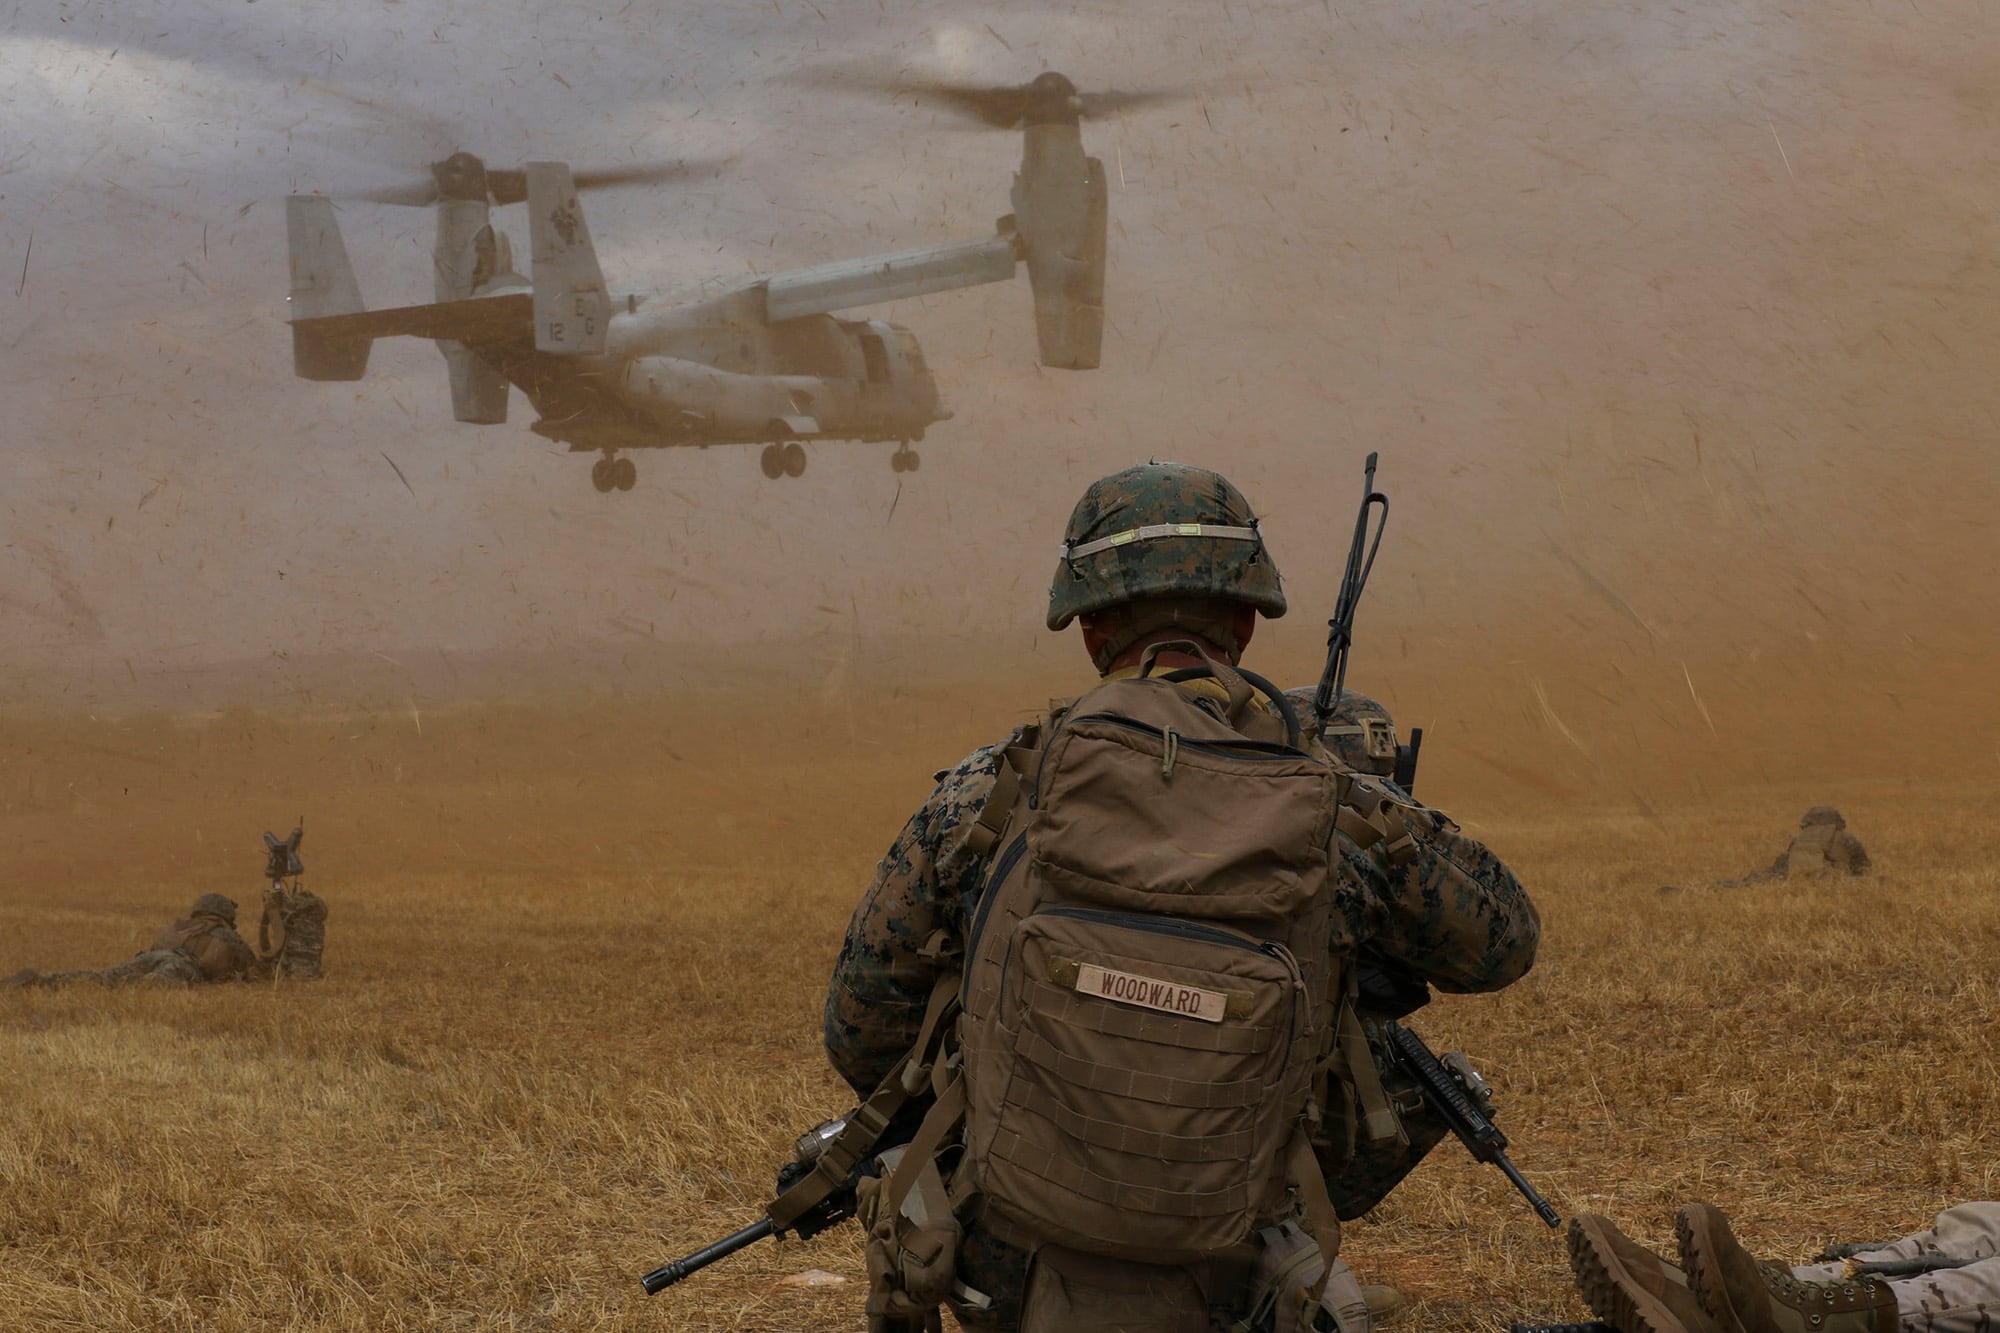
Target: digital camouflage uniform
1944, 1300
1945, 1279
202, 946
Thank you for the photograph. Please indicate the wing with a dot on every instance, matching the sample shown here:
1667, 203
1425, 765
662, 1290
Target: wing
847, 283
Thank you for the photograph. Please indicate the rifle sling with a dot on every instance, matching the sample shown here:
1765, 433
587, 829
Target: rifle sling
943, 1117
1313, 1196
867, 1123
1379, 1122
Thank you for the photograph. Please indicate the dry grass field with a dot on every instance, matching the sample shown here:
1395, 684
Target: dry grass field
570, 1021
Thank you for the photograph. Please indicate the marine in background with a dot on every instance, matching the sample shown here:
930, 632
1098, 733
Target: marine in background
1822, 846
202, 946
1945, 1279
1362, 736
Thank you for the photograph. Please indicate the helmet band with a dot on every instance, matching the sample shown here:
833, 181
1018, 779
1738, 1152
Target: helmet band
1154, 531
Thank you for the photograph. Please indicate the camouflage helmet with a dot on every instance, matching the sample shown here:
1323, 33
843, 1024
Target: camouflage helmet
1360, 733
1822, 814
1162, 529
216, 904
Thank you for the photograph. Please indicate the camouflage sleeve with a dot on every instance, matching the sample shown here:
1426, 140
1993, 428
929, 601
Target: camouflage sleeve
239, 959
883, 980
1452, 913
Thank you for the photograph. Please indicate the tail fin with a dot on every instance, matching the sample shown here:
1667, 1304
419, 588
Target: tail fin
322, 284
466, 255
572, 307
1061, 212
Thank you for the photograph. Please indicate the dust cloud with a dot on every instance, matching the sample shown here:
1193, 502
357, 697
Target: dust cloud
1675, 328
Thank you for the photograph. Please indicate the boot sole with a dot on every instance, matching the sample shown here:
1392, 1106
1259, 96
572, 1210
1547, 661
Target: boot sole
1701, 1260
1611, 1291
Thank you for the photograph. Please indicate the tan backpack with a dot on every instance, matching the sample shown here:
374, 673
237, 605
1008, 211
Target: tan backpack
1148, 990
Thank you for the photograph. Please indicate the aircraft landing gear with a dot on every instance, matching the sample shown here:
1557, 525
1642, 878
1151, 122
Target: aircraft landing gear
906, 459
609, 474
784, 460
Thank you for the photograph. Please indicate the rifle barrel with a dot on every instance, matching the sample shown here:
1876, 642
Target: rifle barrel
666, 1275
1543, 1209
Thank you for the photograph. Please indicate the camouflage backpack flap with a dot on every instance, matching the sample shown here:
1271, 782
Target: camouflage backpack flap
1148, 979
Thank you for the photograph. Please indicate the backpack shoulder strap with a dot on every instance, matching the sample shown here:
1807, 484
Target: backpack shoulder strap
1021, 757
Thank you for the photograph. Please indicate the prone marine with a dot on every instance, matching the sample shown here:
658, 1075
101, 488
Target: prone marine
202, 946
1944, 1279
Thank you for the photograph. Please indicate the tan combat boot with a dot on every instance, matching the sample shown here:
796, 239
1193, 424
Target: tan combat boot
1747, 1297
1383, 1300
1627, 1285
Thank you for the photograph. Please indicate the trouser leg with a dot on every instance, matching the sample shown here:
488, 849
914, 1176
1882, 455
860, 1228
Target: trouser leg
1948, 1300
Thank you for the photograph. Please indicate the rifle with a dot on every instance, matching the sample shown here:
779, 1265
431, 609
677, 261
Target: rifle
836, 1207
1461, 1098
1340, 629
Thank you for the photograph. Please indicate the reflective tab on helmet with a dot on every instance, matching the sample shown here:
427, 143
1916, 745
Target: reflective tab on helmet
1155, 530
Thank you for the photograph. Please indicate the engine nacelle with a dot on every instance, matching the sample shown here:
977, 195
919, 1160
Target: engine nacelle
1061, 211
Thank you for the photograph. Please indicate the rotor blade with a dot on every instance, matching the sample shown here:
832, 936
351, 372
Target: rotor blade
511, 186
392, 131
416, 194
1098, 105
1001, 106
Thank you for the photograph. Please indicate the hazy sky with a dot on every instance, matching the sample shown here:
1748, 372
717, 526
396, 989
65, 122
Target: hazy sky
1676, 325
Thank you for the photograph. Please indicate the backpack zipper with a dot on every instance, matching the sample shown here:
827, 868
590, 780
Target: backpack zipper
1009, 857
1186, 930
1243, 749
1163, 925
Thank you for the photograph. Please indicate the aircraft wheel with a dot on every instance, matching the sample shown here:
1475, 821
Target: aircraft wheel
625, 474
773, 461
912, 460
603, 475
795, 459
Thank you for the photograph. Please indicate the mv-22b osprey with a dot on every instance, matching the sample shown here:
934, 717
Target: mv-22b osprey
771, 362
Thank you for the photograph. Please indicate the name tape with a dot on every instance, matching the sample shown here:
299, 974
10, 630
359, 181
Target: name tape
1168, 997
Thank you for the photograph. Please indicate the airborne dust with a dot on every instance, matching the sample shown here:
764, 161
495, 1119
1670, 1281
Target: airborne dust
1674, 327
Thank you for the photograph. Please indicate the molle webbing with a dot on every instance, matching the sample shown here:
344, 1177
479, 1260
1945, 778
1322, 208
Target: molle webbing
1118, 1136
1126, 1196
1138, 1084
